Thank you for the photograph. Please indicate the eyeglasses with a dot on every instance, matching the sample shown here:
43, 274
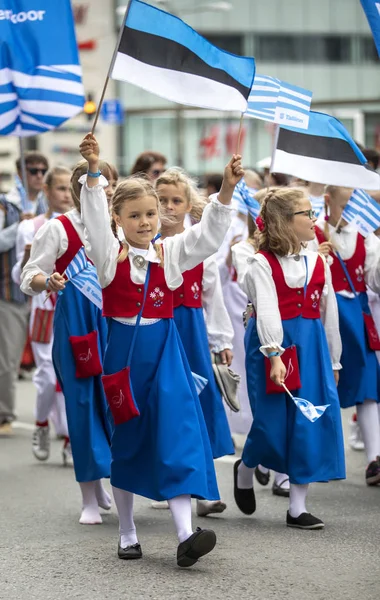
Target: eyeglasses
309, 213
35, 171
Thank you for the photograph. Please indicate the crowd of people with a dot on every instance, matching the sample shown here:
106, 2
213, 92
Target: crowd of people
129, 292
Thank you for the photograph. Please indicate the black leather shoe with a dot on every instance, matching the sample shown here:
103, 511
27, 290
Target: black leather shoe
278, 490
304, 521
245, 499
129, 552
197, 545
262, 478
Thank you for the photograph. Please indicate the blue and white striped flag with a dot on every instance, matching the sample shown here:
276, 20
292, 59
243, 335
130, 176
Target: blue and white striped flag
317, 203
372, 11
276, 101
243, 200
83, 275
40, 74
199, 382
362, 212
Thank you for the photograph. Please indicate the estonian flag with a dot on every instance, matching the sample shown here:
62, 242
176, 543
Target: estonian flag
325, 153
161, 54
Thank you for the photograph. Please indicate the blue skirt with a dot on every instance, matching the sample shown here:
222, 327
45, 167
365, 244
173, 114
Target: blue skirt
86, 404
165, 452
281, 438
360, 376
192, 330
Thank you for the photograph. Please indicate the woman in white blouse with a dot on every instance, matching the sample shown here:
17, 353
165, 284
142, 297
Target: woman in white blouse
296, 321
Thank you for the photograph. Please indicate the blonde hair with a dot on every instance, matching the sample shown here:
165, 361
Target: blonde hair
55, 172
333, 191
277, 213
81, 168
132, 188
176, 176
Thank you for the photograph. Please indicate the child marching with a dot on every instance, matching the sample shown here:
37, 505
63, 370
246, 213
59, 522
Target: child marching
160, 444
200, 291
355, 265
294, 338
58, 264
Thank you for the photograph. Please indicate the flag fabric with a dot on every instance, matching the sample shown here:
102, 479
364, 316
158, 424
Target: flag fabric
311, 412
362, 212
40, 74
243, 200
372, 11
83, 276
199, 382
317, 203
161, 54
325, 153
276, 101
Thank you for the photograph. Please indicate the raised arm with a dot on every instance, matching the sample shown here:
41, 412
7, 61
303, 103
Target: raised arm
101, 245
186, 250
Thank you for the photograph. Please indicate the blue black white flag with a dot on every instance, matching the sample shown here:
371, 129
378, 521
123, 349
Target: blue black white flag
276, 101
161, 54
325, 153
372, 11
40, 75
243, 200
362, 212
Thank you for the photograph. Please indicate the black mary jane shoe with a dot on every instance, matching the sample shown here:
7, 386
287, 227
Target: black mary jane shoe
262, 478
129, 552
278, 490
304, 521
198, 544
245, 499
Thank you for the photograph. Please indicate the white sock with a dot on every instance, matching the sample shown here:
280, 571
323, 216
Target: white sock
124, 505
297, 499
102, 496
263, 470
282, 479
368, 419
245, 477
181, 511
90, 509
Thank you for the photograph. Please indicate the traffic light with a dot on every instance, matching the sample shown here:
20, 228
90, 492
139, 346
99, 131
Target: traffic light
89, 107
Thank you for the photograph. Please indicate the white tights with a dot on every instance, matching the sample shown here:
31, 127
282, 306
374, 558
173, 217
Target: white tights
368, 419
93, 496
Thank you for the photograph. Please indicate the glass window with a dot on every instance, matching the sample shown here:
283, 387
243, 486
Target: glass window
367, 50
231, 43
302, 48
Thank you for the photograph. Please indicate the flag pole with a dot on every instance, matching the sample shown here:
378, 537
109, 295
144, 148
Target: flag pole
110, 68
239, 134
23, 168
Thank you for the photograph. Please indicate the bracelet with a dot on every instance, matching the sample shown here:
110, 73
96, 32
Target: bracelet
273, 354
47, 282
94, 175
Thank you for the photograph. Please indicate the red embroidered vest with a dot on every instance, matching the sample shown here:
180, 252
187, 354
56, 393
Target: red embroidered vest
190, 292
123, 298
75, 244
355, 266
291, 301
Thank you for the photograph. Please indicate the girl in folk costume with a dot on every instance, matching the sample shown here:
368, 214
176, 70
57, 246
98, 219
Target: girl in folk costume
242, 253
58, 264
236, 303
164, 452
294, 337
355, 264
199, 332
57, 192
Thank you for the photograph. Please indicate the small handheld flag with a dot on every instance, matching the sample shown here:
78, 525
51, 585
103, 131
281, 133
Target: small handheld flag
276, 101
161, 54
325, 153
311, 412
40, 74
243, 200
83, 276
362, 212
372, 11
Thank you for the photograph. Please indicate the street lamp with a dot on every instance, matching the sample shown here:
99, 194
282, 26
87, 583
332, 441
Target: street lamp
204, 7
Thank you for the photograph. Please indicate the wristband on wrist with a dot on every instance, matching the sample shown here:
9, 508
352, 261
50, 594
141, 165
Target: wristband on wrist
47, 282
94, 175
271, 354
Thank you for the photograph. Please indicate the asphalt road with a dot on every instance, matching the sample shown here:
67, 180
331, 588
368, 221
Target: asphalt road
45, 554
